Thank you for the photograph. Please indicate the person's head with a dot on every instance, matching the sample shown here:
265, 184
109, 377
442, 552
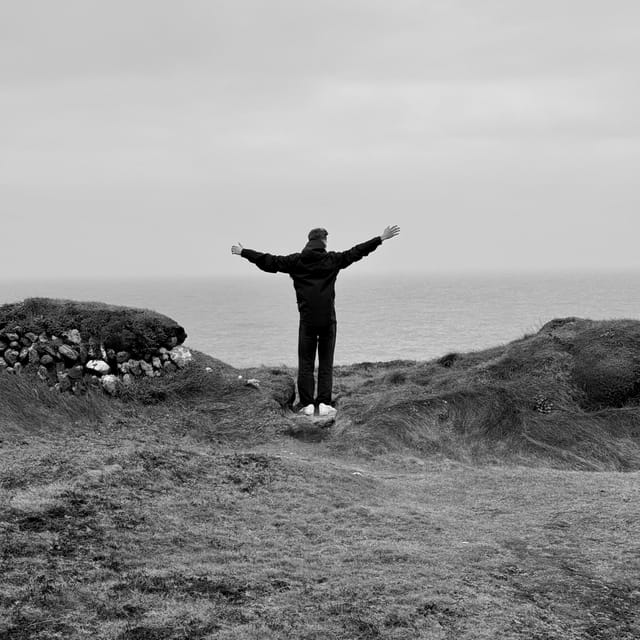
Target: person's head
318, 234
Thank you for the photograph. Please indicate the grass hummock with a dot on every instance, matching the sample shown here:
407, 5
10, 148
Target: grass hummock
115, 327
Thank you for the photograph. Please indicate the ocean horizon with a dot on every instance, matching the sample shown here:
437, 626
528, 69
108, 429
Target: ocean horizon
252, 320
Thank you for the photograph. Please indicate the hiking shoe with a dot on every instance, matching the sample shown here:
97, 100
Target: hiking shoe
326, 410
308, 410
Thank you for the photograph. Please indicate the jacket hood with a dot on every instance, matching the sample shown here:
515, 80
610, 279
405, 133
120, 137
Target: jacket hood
314, 245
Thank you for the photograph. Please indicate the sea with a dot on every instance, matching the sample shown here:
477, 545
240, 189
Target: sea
253, 321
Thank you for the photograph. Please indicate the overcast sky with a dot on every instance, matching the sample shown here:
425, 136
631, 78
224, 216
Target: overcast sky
145, 137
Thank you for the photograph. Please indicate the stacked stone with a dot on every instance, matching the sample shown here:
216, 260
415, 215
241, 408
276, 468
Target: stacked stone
69, 363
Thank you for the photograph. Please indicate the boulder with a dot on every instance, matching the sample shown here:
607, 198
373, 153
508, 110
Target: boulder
99, 367
134, 367
147, 368
180, 356
110, 383
46, 360
75, 373
50, 349
73, 336
68, 352
11, 356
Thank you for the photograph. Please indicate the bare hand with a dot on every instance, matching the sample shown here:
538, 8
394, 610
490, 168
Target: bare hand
390, 232
237, 249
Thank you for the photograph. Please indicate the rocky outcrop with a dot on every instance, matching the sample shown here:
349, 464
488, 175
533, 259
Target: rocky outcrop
137, 331
71, 349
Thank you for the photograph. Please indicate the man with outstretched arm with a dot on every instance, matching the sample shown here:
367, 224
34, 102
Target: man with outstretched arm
314, 271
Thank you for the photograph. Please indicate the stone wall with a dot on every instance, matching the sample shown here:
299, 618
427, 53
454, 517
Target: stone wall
73, 362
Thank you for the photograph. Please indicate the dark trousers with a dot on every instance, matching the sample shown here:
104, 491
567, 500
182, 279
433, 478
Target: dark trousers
323, 340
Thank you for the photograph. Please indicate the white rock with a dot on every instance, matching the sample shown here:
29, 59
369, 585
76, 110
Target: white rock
98, 366
73, 336
147, 368
180, 356
110, 384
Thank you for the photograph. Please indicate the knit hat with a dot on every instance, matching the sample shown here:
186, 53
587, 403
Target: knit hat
318, 234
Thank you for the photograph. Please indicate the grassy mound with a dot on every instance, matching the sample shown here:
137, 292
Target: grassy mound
569, 394
137, 331
207, 399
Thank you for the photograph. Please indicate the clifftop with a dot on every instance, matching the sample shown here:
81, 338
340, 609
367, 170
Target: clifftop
566, 396
413, 515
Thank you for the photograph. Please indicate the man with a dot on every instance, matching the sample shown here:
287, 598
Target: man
314, 271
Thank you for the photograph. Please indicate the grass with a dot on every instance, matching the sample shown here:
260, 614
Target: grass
119, 534
527, 402
441, 504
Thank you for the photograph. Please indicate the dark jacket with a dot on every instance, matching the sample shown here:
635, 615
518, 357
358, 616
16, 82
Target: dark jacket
314, 271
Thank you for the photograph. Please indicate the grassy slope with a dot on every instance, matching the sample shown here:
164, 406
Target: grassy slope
184, 539
568, 396
188, 511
